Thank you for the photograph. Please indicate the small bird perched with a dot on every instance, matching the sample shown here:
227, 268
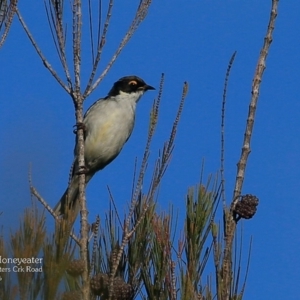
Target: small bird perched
107, 124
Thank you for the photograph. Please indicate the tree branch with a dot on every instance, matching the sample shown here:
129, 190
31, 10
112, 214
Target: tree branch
229, 215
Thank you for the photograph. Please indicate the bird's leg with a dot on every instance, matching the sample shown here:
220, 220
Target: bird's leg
78, 126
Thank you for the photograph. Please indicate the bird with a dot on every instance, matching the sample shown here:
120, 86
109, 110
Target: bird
107, 125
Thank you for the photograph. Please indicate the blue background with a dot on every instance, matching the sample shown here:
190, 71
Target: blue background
188, 41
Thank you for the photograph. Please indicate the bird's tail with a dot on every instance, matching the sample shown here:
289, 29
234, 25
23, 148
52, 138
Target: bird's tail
69, 205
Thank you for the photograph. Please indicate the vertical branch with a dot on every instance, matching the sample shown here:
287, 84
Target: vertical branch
84, 230
261, 65
77, 27
78, 101
229, 216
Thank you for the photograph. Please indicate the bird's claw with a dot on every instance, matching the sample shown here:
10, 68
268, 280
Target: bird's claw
82, 170
78, 126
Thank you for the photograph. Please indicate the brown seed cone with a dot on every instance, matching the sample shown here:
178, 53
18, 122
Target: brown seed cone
99, 285
75, 267
247, 206
121, 290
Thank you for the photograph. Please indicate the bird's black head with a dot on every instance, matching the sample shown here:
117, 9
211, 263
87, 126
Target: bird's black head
129, 84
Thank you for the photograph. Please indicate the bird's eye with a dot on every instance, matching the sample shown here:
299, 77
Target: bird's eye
132, 82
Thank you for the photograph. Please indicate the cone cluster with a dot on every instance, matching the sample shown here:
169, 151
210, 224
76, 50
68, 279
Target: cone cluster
247, 206
121, 290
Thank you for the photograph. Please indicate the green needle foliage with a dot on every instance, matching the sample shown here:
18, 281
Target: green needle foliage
200, 209
7, 291
27, 242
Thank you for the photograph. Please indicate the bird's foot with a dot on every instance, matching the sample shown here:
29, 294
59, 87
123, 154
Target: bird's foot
82, 170
79, 126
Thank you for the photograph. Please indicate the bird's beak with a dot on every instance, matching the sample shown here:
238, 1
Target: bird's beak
148, 87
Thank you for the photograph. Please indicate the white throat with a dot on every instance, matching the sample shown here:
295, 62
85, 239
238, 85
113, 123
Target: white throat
132, 97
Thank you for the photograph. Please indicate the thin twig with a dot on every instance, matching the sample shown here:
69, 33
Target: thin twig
152, 127
173, 281
91, 30
43, 201
216, 257
35, 193
41, 55
51, 21
170, 143
95, 230
223, 128
139, 17
237, 267
100, 46
162, 162
99, 22
134, 177
247, 269
3, 12
47, 206
115, 207
8, 15
57, 23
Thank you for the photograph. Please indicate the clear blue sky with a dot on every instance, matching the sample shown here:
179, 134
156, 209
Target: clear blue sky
188, 41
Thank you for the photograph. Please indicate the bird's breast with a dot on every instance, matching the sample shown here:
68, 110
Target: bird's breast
108, 129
